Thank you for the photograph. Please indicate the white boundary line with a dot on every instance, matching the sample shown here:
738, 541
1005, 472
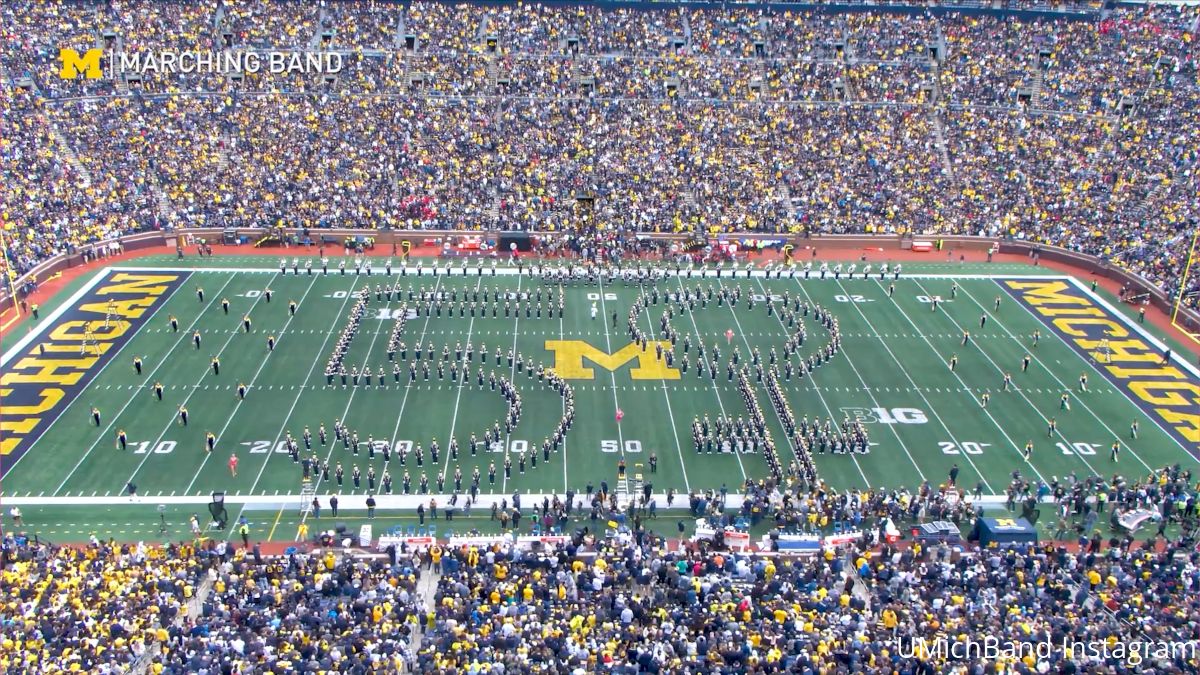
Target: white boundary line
1128, 321
504, 271
69, 303
1153, 341
726, 273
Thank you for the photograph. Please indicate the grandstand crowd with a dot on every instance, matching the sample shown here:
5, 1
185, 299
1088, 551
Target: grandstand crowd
1076, 130
1070, 128
628, 601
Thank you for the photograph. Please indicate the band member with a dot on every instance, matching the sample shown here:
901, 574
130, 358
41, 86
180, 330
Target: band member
158, 390
137, 364
122, 440
210, 441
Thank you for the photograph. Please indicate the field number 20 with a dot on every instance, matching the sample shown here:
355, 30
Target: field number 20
969, 447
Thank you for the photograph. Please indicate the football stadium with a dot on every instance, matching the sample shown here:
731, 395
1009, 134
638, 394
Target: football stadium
566, 337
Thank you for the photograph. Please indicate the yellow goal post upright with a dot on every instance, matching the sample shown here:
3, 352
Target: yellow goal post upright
1191, 272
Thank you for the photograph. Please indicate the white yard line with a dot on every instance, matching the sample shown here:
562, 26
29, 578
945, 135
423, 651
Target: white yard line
816, 389
512, 375
671, 413
749, 351
320, 356
149, 377
612, 376
318, 475
466, 376
407, 387
250, 387
933, 409
866, 388
150, 451
562, 336
712, 382
1018, 390
1078, 399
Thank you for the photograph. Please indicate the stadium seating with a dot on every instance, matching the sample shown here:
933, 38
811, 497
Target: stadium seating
621, 604
1074, 128
1066, 128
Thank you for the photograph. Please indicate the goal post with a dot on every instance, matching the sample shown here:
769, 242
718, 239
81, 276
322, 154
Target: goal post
1188, 294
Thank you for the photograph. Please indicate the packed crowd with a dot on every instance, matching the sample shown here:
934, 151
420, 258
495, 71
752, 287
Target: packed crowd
624, 602
618, 598
669, 120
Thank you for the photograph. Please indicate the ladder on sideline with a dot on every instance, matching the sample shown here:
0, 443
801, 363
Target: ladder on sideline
628, 491
308, 490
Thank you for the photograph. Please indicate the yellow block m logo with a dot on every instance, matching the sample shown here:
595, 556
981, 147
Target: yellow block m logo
74, 65
569, 356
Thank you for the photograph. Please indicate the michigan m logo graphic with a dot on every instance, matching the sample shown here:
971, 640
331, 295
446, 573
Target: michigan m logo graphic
74, 65
569, 356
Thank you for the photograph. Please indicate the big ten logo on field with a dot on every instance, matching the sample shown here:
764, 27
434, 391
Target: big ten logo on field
48, 369
569, 357
885, 415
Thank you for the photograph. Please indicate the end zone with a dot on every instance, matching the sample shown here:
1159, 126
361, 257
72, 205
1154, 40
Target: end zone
49, 367
1163, 385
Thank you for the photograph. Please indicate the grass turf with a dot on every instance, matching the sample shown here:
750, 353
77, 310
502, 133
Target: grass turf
923, 418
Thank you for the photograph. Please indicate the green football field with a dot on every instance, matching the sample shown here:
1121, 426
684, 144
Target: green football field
892, 373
